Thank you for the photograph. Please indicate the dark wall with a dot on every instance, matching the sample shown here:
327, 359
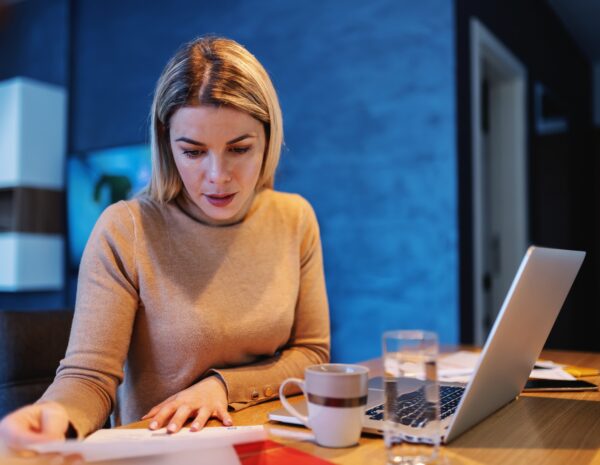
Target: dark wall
368, 98
119, 50
562, 203
34, 42
363, 88
110, 53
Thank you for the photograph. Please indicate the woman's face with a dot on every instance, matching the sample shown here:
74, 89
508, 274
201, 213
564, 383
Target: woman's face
219, 153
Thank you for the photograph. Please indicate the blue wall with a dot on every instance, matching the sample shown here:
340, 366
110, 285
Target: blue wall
368, 95
368, 101
34, 40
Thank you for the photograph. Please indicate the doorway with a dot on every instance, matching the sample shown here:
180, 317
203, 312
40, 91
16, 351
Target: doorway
499, 163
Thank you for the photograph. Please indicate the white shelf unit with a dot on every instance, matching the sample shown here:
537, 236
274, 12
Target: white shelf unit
32, 155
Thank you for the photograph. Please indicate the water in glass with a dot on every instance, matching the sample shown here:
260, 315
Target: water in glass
412, 401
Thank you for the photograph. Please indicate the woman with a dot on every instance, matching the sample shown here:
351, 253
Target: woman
209, 286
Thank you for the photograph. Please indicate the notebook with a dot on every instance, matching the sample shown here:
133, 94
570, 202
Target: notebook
526, 317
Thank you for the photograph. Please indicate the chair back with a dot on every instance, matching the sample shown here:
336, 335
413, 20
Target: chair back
32, 343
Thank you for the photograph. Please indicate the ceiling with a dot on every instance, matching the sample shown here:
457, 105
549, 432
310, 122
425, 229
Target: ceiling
582, 19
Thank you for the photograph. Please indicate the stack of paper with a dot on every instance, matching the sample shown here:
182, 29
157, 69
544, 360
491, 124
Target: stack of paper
459, 367
208, 446
242, 445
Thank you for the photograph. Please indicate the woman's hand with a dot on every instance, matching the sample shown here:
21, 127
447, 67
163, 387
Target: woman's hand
205, 399
43, 422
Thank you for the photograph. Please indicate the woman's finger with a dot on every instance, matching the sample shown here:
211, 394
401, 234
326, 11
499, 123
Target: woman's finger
162, 416
153, 411
157, 407
54, 422
60, 459
20, 441
18, 437
74, 459
223, 415
53, 458
201, 419
179, 418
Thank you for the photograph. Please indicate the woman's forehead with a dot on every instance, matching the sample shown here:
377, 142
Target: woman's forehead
213, 121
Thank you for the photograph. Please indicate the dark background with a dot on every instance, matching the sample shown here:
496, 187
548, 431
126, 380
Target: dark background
562, 168
417, 246
363, 87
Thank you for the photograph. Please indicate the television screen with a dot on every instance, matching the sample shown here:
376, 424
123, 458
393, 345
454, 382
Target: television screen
94, 181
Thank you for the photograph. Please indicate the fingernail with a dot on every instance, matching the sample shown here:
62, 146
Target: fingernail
56, 461
154, 425
228, 423
195, 426
172, 427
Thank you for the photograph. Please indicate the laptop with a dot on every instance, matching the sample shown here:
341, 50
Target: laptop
526, 317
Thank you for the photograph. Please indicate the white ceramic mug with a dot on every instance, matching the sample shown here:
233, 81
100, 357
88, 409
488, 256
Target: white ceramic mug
336, 394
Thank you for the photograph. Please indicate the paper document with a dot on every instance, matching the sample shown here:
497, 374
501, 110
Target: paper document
143, 434
457, 367
554, 373
460, 366
111, 444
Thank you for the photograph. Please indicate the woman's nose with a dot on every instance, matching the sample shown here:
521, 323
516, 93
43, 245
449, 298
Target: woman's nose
218, 171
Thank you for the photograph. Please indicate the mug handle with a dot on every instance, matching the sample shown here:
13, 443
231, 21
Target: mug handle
287, 405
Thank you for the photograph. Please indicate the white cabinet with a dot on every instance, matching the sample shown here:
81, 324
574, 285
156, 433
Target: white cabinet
32, 134
32, 166
31, 261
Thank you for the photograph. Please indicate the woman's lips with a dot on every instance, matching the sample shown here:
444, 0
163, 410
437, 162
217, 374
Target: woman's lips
219, 200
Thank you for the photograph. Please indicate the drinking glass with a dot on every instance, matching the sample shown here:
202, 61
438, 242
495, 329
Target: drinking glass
412, 397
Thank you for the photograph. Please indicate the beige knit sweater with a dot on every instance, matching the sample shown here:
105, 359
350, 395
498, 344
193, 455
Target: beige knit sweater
164, 299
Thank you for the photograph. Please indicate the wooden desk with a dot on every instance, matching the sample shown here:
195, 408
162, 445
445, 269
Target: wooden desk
541, 428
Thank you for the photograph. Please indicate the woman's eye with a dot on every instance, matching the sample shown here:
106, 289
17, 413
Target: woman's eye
240, 149
193, 153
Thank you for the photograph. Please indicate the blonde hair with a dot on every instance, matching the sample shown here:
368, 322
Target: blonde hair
218, 72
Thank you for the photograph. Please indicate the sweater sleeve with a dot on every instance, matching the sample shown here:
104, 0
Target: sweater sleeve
309, 341
107, 298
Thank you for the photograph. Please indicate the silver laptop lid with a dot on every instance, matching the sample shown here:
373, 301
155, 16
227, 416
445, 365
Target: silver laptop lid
530, 308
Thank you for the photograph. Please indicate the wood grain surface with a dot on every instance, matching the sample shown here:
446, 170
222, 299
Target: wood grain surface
537, 428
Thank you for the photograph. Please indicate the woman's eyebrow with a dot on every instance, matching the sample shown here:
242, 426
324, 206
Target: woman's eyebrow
232, 141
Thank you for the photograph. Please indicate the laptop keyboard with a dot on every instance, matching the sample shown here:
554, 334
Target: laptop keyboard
411, 406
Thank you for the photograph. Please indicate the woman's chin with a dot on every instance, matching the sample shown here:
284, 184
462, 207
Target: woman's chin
217, 213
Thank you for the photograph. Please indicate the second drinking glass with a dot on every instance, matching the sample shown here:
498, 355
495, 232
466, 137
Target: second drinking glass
412, 397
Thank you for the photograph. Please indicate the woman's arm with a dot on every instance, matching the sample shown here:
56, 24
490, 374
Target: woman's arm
107, 300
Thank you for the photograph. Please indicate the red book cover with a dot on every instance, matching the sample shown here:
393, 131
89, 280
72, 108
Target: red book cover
272, 453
